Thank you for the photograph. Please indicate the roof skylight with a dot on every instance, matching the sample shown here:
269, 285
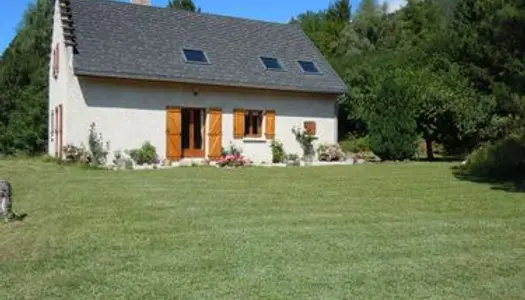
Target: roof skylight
271, 63
195, 56
308, 67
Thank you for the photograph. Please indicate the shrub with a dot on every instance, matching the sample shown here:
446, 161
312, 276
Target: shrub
236, 160
292, 159
231, 150
75, 154
305, 140
356, 145
147, 154
121, 161
277, 151
99, 153
504, 159
330, 152
391, 123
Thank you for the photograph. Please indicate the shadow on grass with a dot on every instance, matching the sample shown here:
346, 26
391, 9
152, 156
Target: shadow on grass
511, 185
444, 158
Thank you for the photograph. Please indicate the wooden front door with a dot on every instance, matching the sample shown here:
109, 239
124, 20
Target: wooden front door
192, 135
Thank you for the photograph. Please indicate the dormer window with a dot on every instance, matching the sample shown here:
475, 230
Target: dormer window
271, 63
195, 56
308, 67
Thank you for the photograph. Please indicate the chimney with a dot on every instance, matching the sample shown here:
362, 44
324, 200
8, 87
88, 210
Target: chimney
141, 2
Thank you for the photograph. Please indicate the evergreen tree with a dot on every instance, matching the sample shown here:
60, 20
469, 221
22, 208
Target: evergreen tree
489, 42
339, 11
184, 4
24, 83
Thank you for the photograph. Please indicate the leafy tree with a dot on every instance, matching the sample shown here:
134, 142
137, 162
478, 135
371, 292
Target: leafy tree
23, 83
339, 11
184, 4
488, 40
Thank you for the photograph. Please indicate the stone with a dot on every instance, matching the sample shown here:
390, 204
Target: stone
5, 199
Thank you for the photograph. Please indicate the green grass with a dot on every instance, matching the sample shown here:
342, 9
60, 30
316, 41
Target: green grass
392, 231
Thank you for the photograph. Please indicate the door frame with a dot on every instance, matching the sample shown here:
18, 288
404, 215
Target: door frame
195, 153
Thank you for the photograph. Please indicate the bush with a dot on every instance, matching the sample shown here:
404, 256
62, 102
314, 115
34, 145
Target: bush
305, 140
356, 145
292, 159
99, 153
504, 159
277, 151
147, 154
391, 123
231, 150
330, 152
121, 161
236, 160
74, 154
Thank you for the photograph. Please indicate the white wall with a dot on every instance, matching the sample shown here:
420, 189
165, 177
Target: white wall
128, 114
58, 87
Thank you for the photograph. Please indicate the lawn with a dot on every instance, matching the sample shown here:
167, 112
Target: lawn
393, 231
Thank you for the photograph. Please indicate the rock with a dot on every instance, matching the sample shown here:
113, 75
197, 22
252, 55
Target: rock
5, 199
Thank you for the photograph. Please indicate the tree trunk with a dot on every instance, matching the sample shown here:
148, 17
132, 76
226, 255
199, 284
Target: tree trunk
430, 150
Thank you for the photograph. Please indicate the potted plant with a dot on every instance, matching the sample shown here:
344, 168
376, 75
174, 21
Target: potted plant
306, 141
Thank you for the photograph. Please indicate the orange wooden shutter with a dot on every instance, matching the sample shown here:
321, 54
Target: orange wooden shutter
270, 124
173, 134
310, 127
238, 123
215, 133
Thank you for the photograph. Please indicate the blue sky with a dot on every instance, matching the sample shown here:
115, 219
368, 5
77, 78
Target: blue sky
268, 10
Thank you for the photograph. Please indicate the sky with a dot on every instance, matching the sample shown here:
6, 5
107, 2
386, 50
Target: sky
268, 10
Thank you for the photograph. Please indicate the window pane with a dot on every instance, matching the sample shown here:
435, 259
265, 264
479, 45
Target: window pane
255, 124
195, 55
185, 128
197, 128
308, 66
271, 63
247, 123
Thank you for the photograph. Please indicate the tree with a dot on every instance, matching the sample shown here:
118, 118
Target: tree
391, 123
184, 4
24, 82
339, 11
488, 41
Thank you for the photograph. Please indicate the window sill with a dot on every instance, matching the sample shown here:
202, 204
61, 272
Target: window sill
254, 139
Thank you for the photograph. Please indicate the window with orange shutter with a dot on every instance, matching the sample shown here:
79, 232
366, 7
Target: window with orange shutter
253, 123
310, 127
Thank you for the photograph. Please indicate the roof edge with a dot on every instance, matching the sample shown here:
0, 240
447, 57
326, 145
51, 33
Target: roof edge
80, 72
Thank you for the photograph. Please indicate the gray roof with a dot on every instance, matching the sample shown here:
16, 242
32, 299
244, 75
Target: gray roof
135, 41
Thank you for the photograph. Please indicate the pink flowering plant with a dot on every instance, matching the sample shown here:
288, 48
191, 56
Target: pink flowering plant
232, 158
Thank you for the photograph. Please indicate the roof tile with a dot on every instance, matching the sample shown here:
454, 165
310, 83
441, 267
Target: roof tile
136, 41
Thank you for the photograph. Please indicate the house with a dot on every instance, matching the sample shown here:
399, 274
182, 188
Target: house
189, 83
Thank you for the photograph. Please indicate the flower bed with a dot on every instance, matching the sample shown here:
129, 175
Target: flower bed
233, 160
